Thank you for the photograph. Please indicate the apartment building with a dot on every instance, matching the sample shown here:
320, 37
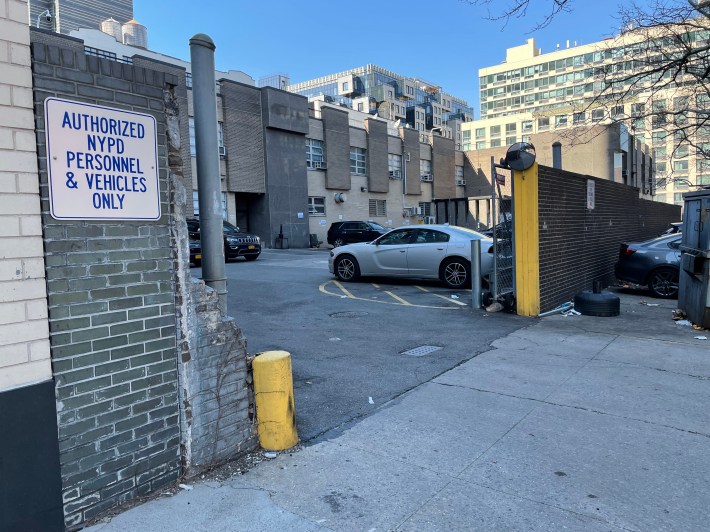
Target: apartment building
533, 92
371, 89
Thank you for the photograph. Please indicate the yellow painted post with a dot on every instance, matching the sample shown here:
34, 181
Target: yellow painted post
527, 241
275, 407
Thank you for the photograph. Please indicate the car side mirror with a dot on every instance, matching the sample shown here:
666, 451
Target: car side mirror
674, 245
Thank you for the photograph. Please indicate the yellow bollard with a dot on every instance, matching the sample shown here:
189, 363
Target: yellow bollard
275, 407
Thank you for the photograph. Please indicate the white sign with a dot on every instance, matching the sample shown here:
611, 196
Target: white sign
590, 194
102, 162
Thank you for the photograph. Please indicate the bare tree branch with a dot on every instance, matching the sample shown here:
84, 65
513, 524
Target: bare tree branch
519, 9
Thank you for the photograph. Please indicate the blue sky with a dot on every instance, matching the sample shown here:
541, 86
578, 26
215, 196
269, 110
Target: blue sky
442, 41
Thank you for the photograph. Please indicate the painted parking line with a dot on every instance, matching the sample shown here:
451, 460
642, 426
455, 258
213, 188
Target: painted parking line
342, 292
449, 299
402, 301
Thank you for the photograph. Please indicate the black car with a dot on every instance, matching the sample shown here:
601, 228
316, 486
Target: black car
654, 263
195, 251
350, 232
237, 243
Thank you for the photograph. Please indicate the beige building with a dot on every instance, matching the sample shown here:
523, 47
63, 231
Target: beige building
531, 93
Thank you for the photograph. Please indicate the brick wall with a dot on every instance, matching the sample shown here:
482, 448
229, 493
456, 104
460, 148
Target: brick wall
578, 245
24, 353
111, 310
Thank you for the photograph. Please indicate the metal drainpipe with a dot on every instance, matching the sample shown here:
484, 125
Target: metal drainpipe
207, 153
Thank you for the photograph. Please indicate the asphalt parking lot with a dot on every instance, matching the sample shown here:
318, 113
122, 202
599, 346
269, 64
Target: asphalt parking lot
354, 345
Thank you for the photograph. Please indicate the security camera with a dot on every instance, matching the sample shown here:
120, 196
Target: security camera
48, 17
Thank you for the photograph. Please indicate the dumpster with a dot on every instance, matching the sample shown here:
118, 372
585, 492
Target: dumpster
693, 295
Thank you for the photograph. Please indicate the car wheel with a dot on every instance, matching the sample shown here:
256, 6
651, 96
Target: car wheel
339, 242
663, 283
456, 273
347, 268
251, 257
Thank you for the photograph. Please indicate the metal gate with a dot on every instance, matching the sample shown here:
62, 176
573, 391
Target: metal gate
502, 283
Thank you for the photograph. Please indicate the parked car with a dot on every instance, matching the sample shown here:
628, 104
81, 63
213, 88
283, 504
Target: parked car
195, 251
654, 263
418, 251
237, 243
673, 227
341, 233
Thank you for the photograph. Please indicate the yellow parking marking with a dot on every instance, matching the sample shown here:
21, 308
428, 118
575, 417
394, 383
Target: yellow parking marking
345, 290
345, 293
406, 303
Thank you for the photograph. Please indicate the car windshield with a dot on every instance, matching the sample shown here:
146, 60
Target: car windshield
377, 226
229, 228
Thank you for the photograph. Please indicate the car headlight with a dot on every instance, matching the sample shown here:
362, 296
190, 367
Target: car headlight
258, 240
232, 240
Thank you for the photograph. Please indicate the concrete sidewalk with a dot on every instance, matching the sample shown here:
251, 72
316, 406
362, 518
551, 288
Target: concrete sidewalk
575, 423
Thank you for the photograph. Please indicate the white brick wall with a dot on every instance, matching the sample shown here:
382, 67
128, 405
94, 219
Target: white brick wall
24, 344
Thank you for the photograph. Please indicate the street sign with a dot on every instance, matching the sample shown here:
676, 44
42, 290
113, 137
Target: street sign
102, 162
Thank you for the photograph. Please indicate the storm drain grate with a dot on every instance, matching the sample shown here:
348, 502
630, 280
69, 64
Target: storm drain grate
421, 350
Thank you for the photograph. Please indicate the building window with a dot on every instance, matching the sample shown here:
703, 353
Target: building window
511, 140
495, 131
360, 107
192, 136
424, 167
597, 115
466, 136
394, 165
346, 86
196, 204
681, 151
481, 145
358, 161
425, 208
220, 134
680, 166
316, 206
458, 173
495, 143
527, 126
543, 123
314, 153
378, 207
511, 128
578, 118
659, 137
661, 168
660, 153
678, 198
617, 111
480, 132
561, 121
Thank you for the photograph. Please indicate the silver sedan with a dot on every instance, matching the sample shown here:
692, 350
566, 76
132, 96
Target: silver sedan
417, 251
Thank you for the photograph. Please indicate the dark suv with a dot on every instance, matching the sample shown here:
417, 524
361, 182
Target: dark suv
341, 233
236, 243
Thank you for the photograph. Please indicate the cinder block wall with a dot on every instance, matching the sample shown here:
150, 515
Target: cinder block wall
579, 245
111, 309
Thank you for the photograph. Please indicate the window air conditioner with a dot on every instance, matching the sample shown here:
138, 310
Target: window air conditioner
427, 177
395, 174
222, 151
319, 165
460, 182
